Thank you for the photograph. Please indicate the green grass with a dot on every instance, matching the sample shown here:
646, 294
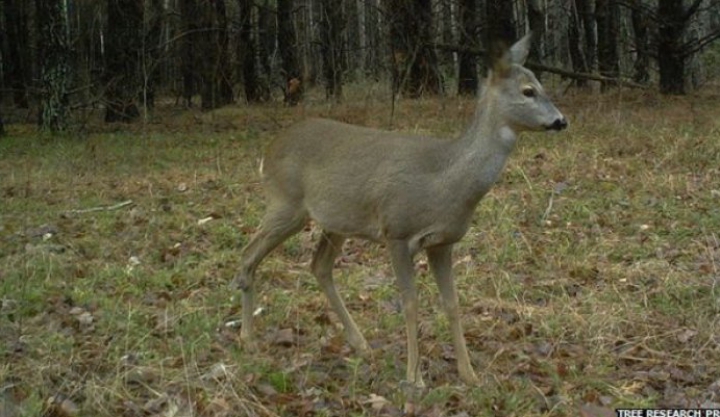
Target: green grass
590, 274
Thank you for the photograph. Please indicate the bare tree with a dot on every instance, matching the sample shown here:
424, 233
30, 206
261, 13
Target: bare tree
54, 59
607, 17
17, 61
673, 20
640, 24
536, 21
122, 76
267, 34
190, 49
254, 92
287, 46
586, 13
468, 72
575, 45
415, 70
215, 72
372, 38
331, 30
499, 23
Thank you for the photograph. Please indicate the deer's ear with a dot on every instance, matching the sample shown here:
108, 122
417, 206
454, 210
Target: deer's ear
501, 60
504, 58
518, 53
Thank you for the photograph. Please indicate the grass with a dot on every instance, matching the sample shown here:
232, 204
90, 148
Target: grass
590, 274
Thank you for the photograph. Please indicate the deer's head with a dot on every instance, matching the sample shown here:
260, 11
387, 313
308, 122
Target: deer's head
518, 95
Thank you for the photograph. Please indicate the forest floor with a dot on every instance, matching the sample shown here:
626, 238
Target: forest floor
589, 279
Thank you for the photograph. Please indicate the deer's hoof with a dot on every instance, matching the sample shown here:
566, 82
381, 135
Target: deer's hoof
470, 379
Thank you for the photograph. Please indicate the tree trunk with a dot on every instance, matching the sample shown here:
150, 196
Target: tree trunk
577, 57
372, 38
415, 71
267, 33
587, 17
468, 72
216, 90
607, 15
189, 46
17, 62
122, 63
331, 27
500, 24
287, 47
671, 61
536, 21
352, 58
642, 58
447, 31
152, 53
246, 54
54, 59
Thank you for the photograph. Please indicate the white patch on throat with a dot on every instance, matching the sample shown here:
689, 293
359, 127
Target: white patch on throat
507, 136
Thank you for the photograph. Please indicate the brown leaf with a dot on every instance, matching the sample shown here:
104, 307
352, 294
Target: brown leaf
217, 407
377, 402
60, 406
218, 372
141, 376
266, 390
685, 335
284, 337
155, 405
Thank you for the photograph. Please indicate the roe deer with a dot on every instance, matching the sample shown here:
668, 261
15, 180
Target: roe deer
412, 193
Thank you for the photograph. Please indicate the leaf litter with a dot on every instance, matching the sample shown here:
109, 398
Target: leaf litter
606, 305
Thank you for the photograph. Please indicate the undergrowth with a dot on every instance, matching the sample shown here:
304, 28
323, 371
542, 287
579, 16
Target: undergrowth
590, 275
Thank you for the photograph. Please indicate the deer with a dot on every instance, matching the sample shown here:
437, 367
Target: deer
410, 193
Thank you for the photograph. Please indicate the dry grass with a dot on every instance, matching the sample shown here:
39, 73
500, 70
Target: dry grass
589, 276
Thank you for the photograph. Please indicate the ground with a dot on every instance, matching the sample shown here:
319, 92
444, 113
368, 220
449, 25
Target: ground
588, 281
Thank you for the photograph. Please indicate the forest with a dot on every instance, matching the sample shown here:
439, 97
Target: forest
133, 136
60, 56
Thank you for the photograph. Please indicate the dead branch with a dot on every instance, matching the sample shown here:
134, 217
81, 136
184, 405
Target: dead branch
101, 208
553, 70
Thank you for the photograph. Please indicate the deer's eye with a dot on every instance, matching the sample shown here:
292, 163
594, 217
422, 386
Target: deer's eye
529, 92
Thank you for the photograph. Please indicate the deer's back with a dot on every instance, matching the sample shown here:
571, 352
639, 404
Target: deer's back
361, 181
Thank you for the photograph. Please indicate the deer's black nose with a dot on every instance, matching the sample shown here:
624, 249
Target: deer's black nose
558, 124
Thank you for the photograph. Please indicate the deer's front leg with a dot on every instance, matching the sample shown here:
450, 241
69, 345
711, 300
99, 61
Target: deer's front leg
403, 266
440, 260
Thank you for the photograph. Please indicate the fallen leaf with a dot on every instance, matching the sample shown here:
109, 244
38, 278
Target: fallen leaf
377, 402
284, 337
204, 220
266, 390
59, 406
218, 372
155, 405
685, 335
141, 376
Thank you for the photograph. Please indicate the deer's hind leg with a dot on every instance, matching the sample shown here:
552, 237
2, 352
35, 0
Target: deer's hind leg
278, 224
322, 265
404, 269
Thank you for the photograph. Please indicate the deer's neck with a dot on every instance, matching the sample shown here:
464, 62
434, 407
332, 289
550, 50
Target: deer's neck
480, 154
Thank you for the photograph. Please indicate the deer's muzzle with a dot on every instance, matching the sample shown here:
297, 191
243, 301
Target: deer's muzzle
559, 124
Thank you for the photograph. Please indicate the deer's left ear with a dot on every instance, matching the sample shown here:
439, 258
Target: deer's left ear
518, 53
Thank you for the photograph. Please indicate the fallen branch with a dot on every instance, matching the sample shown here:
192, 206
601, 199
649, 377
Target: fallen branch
101, 208
553, 70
